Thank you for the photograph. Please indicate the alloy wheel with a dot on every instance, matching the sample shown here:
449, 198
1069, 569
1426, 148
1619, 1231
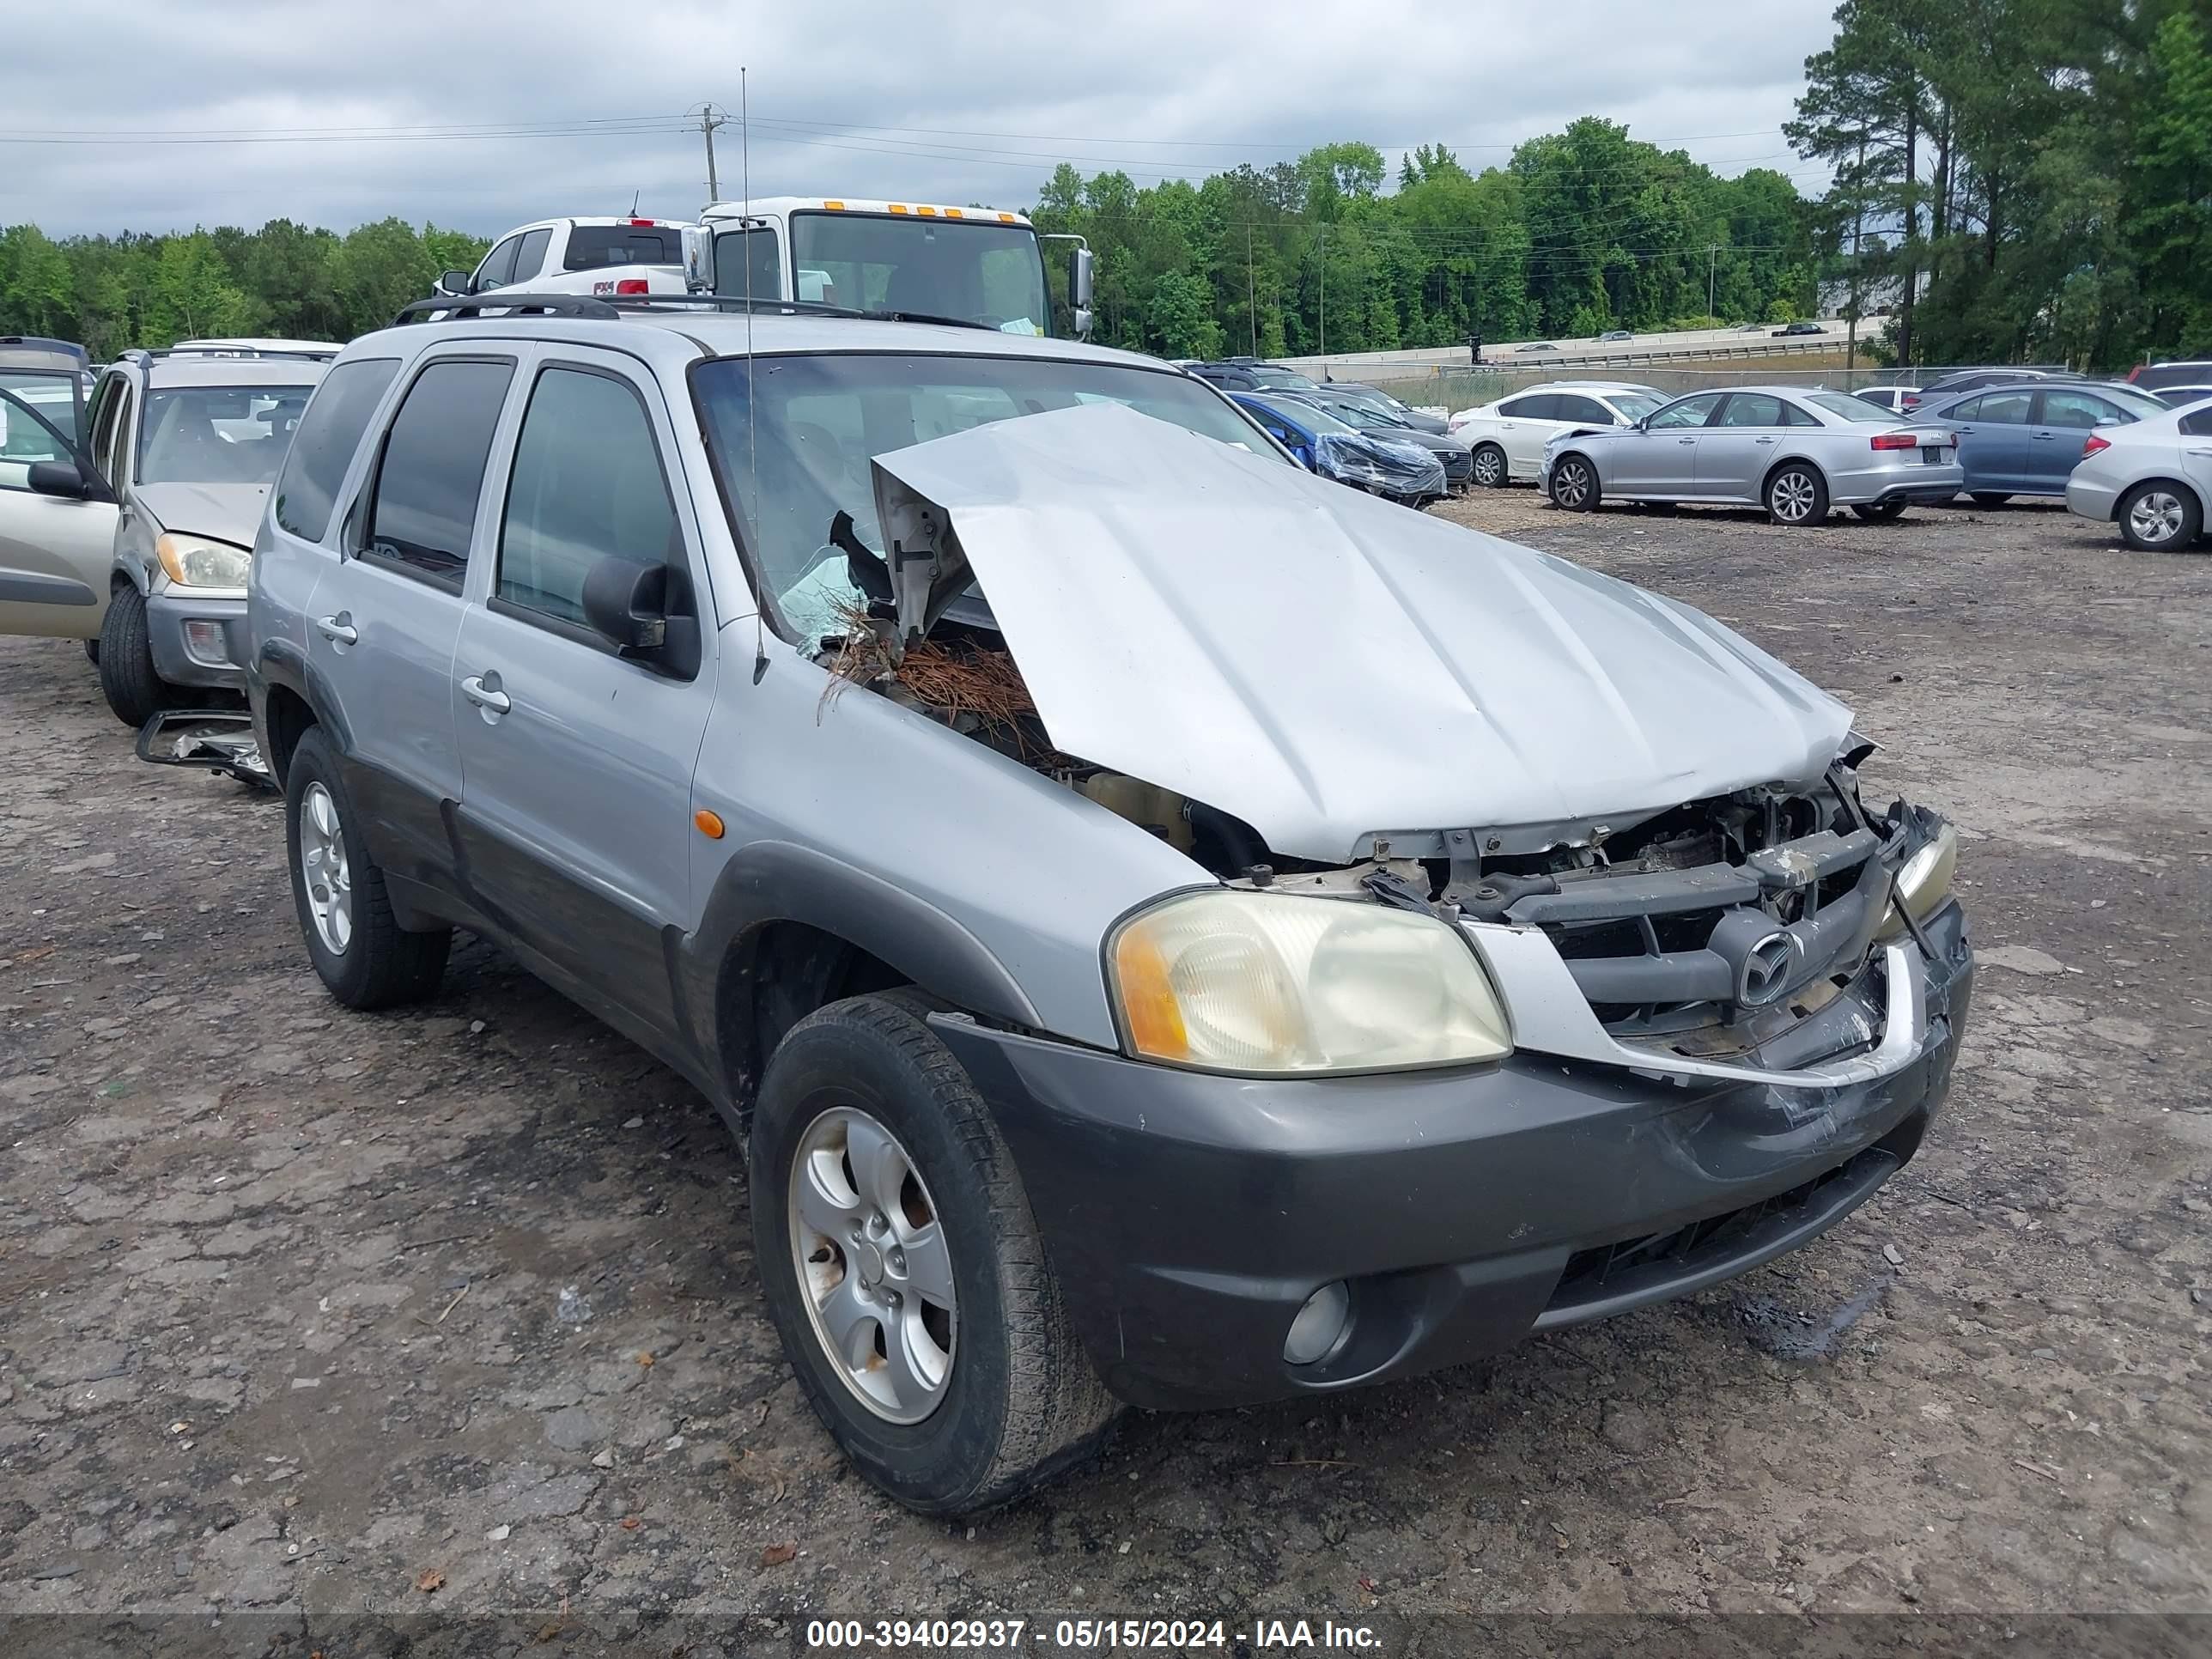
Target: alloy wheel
1791, 497
1489, 468
869, 1251
2156, 516
1570, 484
324, 870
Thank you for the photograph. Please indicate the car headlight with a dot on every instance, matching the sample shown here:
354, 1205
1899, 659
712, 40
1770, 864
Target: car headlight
1923, 883
196, 562
1232, 980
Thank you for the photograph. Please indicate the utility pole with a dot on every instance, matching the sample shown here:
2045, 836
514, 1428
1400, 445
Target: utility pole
709, 118
1324, 299
1251, 292
1858, 229
1711, 254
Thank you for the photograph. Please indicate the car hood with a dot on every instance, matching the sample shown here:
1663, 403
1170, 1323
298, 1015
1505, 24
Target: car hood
1325, 665
224, 512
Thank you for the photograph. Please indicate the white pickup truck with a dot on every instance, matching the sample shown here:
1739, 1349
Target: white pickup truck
605, 257
975, 265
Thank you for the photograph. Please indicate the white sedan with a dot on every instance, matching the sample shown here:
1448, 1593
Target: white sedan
2153, 478
1508, 436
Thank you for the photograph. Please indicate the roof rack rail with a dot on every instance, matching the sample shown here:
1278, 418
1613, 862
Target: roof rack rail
460, 308
318, 354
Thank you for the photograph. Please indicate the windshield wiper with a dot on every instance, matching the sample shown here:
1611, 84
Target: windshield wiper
925, 317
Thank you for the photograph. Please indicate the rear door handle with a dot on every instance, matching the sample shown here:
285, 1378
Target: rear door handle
1762, 440
338, 629
488, 698
2042, 437
1686, 440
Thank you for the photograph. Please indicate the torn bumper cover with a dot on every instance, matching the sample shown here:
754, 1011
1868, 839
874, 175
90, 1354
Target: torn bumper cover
1191, 1217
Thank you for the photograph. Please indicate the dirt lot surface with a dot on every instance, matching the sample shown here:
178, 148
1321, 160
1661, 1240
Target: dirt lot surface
454, 1309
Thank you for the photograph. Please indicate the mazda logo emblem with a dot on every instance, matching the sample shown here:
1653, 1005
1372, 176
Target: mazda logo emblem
1766, 970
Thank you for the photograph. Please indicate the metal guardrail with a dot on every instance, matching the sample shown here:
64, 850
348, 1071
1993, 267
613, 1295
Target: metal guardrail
1543, 363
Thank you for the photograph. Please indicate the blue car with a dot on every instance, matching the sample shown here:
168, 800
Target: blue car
2024, 439
1402, 471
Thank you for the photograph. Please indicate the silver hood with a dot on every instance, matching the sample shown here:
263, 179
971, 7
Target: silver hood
1324, 665
224, 511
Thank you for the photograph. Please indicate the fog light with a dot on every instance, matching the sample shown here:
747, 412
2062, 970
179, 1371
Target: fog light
1320, 1326
205, 644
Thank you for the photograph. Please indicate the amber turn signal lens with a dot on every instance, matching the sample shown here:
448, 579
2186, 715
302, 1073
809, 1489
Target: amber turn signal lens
709, 824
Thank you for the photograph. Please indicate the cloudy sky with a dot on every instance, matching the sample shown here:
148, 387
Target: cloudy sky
162, 114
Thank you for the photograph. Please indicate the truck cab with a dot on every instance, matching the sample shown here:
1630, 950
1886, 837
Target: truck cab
977, 266
602, 257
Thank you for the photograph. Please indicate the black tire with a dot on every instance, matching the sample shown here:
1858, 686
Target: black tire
92, 648
1491, 470
1022, 1401
1796, 495
1991, 497
2186, 524
134, 691
1879, 512
1574, 484
382, 964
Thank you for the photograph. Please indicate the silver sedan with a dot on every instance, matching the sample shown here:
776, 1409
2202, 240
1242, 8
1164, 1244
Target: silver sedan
1795, 452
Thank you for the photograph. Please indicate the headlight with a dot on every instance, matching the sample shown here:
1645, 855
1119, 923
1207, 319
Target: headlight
1228, 981
196, 562
1924, 883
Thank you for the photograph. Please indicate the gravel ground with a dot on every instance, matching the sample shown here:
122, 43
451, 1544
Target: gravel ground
316, 1313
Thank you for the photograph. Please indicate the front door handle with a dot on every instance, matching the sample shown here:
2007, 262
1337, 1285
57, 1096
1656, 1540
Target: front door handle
338, 629
489, 698
1686, 440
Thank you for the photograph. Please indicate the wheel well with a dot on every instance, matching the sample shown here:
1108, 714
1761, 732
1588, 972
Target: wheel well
287, 717
772, 977
1795, 460
2203, 512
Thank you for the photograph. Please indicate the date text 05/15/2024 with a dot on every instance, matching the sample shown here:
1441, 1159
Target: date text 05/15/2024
1088, 1635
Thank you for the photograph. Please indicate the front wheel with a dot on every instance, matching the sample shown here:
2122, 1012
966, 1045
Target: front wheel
1879, 512
133, 690
1796, 495
1490, 466
903, 1268
1574, 484
2157, 516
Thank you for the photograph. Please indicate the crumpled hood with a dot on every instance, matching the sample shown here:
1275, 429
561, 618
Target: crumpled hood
1324, 665
225, 511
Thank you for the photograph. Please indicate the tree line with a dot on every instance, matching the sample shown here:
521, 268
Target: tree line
2024, 180
284, 280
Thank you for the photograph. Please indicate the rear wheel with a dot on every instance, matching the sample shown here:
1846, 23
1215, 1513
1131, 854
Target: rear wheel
1490, 466
903, 1268
1991, 497
361, 954
2157, 516
92, 649
1796, 493
1574, 484
1879, 512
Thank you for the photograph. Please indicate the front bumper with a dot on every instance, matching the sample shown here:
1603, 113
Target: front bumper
1189, 1217
198, 639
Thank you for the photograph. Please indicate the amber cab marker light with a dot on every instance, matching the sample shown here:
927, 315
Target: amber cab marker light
709, 825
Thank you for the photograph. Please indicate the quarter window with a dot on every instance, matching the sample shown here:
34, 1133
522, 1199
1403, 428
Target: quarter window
2198, 424
530, 258
587, 485
323, 447
423, 508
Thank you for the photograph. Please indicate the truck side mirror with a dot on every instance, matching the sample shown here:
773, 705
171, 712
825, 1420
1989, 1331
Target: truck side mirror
1079, 281
699, 259
453, 282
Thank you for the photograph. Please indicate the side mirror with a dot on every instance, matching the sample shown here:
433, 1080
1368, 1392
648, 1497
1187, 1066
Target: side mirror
59, 479
452, 283
1080, 280
628, 603
2109, 419
699, 257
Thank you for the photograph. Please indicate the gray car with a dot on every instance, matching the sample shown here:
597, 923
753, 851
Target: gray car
1796, 453
184, 441
1008, 788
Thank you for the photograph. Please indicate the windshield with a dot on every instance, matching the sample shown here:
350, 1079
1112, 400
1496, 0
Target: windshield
217, 433
1367, 419
1634, 405
992, 274
1320, 419
1280, 380
820, 420
1852, 408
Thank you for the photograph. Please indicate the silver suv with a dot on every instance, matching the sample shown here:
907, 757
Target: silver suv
1165, 929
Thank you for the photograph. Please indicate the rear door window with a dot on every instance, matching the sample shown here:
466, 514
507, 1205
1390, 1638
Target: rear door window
587, 485
422, 507
591, 246
322, 449
530, 257
1583, 411
1537, 407
2006, 408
